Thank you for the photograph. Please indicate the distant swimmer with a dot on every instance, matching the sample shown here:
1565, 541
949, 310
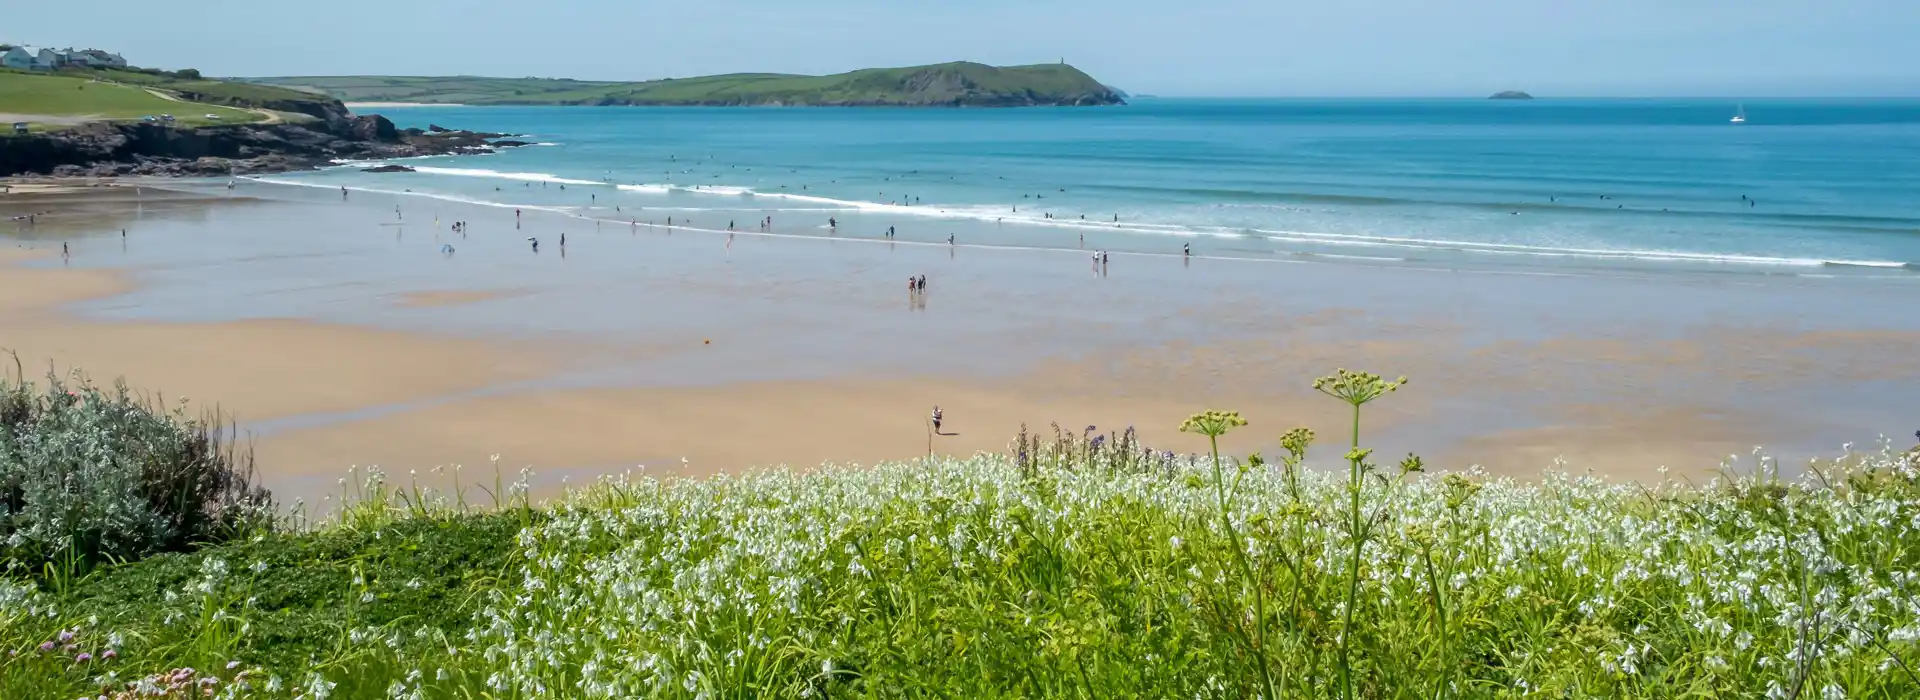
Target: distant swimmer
729, 225
831, 223
1116, 218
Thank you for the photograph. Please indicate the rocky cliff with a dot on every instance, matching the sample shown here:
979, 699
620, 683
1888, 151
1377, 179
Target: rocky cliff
113, 149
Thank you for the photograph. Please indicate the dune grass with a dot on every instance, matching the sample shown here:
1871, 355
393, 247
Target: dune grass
66, 100
1073, 565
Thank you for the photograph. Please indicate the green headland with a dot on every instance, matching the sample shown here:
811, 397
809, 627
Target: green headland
959, 84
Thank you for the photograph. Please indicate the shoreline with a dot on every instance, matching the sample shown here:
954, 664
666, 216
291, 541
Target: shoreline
423, 359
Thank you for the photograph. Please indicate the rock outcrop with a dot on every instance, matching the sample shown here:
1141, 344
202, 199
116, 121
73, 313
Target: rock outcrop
109, 149
1510, 95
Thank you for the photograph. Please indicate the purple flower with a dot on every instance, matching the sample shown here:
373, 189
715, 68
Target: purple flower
46, 645
83, 658
66, 636
109, 655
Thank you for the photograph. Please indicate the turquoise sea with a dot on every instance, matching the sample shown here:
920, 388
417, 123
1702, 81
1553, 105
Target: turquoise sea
1804, 187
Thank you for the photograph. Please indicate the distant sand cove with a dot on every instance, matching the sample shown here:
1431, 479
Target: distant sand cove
355, 336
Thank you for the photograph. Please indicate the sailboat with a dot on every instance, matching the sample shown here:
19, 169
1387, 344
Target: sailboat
1740, 116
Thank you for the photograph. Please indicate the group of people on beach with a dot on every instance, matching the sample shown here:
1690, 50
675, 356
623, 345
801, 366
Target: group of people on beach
916, 285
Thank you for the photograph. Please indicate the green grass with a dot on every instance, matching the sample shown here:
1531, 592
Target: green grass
1077, 565
219, 92
74, 98
947, 83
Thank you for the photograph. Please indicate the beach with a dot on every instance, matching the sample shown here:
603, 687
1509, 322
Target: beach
338, 333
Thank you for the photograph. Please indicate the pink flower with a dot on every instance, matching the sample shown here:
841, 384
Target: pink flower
109, 655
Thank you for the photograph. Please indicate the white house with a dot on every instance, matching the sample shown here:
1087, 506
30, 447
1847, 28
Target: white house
16, 58
95, 58
49, 59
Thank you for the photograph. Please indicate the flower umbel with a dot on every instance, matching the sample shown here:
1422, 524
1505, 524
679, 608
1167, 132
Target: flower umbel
1212, 424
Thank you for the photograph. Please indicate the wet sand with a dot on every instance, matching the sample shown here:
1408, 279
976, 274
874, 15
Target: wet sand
340, 335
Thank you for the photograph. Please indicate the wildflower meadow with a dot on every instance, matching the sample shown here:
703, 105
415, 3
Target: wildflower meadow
1073, 564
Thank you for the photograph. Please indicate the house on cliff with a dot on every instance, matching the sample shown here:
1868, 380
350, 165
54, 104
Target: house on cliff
30, 58
16, 58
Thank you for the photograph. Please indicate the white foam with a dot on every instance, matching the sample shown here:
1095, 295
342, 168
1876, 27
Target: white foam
520, 177
403, 193
996, 213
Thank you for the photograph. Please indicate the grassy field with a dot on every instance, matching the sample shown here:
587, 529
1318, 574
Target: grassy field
58, 101
445, 90
1076, 564
218, 92
969, 83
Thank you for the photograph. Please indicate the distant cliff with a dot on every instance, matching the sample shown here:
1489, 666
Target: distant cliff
960, 84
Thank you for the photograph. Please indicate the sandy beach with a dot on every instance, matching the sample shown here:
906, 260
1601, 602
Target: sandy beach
339, 334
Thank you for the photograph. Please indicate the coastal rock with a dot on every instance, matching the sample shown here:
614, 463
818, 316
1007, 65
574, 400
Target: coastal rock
105, 149
1510, 95
438, 129
508, 143
387, 169
373, 127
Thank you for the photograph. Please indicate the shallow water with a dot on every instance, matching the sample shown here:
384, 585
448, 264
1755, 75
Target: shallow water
1814, 187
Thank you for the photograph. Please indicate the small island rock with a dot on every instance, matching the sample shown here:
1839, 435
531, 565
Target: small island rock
1510, 95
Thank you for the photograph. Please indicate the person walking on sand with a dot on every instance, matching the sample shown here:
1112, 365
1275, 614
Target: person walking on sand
949, 239
535, 242
937, 416
831, 223
343, 194
563, 240
63, 249
1186, 249
921, 284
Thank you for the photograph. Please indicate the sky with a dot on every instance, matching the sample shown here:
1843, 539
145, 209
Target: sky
1220, 48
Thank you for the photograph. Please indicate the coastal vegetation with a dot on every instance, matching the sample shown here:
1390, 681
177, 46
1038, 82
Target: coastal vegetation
58, 101
1076, 563
958, 84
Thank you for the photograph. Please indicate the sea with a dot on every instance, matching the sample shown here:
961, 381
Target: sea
1809, 188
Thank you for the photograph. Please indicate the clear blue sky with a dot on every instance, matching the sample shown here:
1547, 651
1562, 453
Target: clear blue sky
1167, 47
